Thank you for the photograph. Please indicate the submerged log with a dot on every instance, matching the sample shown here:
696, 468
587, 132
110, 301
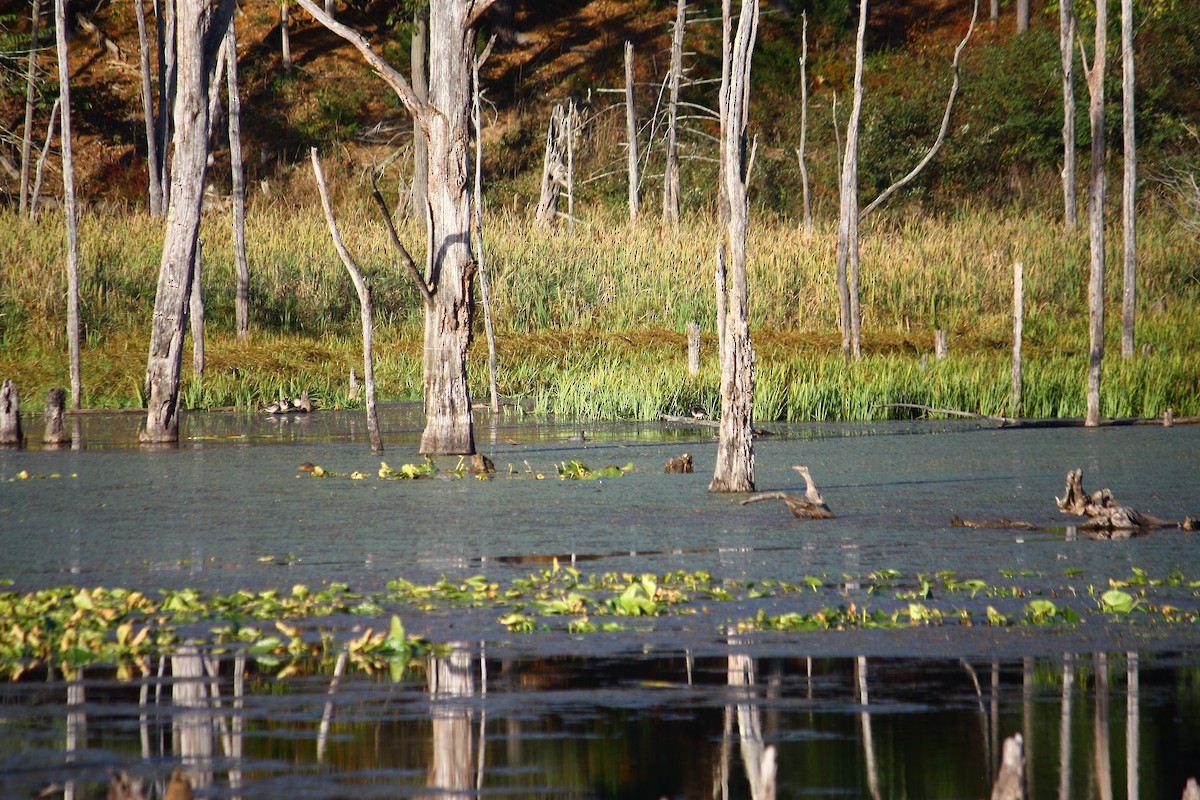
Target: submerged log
55, 434
1003, 523
10, 416
1105, 513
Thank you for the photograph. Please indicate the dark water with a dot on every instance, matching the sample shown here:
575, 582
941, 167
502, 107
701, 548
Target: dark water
673, 706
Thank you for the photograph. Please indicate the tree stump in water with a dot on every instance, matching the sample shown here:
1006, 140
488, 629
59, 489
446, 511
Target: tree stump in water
1191, 791
681, 465
10, 416
1010, 783
55, 434
1102, 510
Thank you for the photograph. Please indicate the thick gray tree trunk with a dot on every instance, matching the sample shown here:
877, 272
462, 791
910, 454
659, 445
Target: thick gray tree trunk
238, 186
1066, 47
445, 118
68, 165
285, 38
671, 172
30, 98
1096, 192
631, 154
1129, 184
152, 164
199, 29
420, 85
734, 470
847, 248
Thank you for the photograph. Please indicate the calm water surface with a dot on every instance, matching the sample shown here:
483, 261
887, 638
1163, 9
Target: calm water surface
673, 706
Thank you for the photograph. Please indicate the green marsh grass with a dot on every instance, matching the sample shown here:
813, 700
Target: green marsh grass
592, 324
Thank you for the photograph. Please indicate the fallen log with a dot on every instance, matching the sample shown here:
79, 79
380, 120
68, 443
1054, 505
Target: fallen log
1002, 523
1105, 513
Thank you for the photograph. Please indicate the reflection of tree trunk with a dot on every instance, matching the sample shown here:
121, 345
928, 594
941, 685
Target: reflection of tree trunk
1064, 729
452, 771
868, 740
1028, 691
758, 759
1103, 758
192, 736
76, 725
68, 169
1133, 731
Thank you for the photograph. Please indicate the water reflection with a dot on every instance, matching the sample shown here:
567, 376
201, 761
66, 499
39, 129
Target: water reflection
654, 725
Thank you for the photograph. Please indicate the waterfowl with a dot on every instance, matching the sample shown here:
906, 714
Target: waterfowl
698, 412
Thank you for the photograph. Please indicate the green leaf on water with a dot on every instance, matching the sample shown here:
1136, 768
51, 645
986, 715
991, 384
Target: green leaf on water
1117, 602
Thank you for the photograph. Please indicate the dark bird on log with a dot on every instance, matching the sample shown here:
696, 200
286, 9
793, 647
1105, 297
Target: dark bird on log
698, 412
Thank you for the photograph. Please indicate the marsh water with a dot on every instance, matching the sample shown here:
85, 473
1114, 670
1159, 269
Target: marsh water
681, 705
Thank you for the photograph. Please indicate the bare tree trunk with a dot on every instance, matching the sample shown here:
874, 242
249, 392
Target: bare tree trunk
155, 176
196, 313
484, 290
808, 221
30, 98
1022, 16
1066, 46
572, 122
238, 186
37, 181
168, 80
285, 36
55, 434
10, 415
734, 470
198, 29
1096, 192
847, 249
420, 85
671, 173
68, 165
631, 134
994, 10
1129, 184
554, 168
1018, 331
363, 289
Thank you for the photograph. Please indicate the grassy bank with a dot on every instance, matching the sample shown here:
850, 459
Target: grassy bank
593, 324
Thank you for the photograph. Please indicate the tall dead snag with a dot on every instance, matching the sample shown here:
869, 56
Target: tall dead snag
671, 173
199, 30
1129, 184
154, 184
734, 471
485, 293
1018, 333
847, 248
238, 186
30, 101
10, 415
445, 119
363, 289
418, 53
800, 151
631, 134
68, 168
1066, 48
554, 167
1096, 192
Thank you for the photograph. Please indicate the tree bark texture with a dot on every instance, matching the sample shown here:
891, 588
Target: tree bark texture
10, 415
168, 80
55, 433
152, 164
485, 293
30, 98
68, 168
198, 28
734, 470
671, 172
1066, 46
420, 83
1022, 16
1096, 192
554, 167
196, 312
1018, 333
631, 143
847, 248
238, 186
1129, 184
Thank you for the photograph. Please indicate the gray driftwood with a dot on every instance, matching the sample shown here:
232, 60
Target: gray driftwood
1105, 513
55, 434
811, 506
1003, 523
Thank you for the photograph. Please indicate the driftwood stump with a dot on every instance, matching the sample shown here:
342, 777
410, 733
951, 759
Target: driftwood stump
1103, 511
481, 465
680, 465
811, 506
10, 416
55, 435
1010, 783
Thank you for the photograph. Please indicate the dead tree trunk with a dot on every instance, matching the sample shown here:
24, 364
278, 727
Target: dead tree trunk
419, 197
10, 415
68, 165
445, 120
196, 313
168, 80
35, 194
363, 289
800, 153
152, 166
1129, 184
55, 433
30, 99
1096, 192
1022, 16
847, 248
1018, 332
284, 36
484, 290
671, 172
238, 187
1066, 47
199, 30
734, 470
554, 168
631, 154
